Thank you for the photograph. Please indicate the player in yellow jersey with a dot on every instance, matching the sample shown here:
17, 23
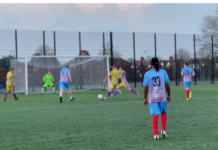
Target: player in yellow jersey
10, 84
115, 75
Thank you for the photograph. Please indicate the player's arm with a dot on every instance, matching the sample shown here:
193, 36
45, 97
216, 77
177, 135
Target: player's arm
145, 95
52, 78
146, 84
182, 73
193, 73
9, 80
167, 85
107, 78
44, 78
69, 76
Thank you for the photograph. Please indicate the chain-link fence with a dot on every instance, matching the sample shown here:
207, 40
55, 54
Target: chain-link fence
131, 51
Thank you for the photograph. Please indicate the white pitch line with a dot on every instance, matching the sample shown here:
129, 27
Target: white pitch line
68, 106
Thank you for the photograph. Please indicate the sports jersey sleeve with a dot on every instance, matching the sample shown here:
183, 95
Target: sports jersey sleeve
121, 72
192, 71
182, 71
52, 78
166, 78
146, 82
9, 75
111, 73
44, 78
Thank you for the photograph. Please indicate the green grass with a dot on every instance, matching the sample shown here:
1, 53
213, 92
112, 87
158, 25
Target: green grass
41, 122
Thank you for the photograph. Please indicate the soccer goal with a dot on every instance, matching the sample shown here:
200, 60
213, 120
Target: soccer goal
87, 72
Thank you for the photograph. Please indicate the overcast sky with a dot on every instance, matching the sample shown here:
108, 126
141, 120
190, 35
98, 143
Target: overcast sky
183, 19
160, 18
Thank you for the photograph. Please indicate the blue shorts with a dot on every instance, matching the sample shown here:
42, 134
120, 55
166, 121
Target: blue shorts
187, 85
157, 108
63, 85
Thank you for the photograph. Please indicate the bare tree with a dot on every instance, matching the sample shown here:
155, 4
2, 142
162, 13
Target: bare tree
149, 57
40, 51
183, 55
208, 27
130, 60
116, 52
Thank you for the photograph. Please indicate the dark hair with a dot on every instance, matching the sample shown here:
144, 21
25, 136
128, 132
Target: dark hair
12, 69
67, 66
186, 63
114, 66
155, 63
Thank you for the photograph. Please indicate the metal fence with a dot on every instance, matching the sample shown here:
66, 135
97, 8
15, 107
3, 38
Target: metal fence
132, 51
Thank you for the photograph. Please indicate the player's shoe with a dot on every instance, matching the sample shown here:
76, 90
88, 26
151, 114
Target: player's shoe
118, 91
5, 99
54, 92
164, 134
113, 96
40, 93
187, 99
16, 98
190, 95
156, 137
60, 99
105, 98
72, 99
138, 94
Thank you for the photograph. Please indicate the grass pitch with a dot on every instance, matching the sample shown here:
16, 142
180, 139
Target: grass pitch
40, 122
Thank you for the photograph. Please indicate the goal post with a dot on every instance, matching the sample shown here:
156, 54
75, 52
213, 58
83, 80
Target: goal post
87, 72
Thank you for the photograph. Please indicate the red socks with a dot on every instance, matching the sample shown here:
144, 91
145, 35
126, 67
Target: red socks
155, 125
164, 121
188, 92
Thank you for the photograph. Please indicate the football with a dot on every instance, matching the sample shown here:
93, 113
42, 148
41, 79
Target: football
100, 96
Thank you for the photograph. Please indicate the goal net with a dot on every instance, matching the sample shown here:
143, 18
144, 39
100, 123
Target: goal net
87, 72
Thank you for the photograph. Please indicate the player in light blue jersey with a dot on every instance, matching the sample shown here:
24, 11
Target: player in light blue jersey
65, 78
187, 74
158, 82
124, 84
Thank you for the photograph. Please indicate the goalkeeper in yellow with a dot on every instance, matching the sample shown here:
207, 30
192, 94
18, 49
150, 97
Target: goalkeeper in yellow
115, 75
48, 80
10, 84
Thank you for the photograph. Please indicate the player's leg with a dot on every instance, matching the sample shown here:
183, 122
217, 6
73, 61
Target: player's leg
190, 93
44, 87
131, 90
154, 108
14, 94
187, 86
7, 91
69, 91
163, 110
118, 91
53, 87
112, 87
61, 90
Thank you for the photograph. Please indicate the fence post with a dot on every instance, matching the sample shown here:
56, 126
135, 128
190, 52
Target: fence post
54, 43
212, 60
175, 59
16, 43
44, 43
104, 85
195, 60
80, 66
142, 71
111, 48
134, 58
79, 43
103, 44
155, 45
